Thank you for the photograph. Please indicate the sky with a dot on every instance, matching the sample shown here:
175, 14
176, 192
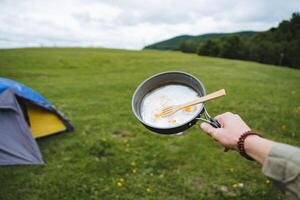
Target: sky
131, 24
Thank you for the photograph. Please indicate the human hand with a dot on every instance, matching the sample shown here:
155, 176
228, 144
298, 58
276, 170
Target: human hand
232, 127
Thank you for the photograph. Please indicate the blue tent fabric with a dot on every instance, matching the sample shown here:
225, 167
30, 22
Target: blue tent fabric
17, 146
33, 96
23, 91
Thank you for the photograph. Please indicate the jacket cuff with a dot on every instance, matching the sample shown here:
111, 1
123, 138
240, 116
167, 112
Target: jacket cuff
281, 164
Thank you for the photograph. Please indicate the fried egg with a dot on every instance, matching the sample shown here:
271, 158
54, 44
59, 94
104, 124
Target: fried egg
168, 95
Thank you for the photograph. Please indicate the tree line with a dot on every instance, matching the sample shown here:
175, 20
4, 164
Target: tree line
277, 46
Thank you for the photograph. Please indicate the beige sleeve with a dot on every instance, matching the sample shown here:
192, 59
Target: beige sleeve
283, 167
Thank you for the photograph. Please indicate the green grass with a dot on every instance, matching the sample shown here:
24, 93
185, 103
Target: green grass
93, 87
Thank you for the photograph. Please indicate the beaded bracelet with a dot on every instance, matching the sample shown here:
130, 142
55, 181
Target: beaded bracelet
241, 141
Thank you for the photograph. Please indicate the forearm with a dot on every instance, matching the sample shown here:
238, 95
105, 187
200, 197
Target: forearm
258, 148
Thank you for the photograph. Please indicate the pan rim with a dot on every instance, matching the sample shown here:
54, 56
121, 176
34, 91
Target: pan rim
172, 127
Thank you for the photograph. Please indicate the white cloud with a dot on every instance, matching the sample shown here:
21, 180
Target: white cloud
130, 23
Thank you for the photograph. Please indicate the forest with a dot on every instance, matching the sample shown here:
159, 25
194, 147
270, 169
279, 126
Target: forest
277, 46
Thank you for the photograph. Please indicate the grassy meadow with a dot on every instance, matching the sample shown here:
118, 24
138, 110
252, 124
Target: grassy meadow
111, 156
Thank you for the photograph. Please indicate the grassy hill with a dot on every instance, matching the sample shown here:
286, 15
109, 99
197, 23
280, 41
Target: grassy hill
111, 156
174, 43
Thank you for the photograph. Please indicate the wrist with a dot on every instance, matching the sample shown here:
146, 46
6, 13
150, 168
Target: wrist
249, 141
244, 148
258, 148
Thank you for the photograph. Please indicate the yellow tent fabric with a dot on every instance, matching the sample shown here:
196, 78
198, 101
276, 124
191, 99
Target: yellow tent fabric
43, 122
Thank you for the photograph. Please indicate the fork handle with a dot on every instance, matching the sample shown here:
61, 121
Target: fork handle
205, 98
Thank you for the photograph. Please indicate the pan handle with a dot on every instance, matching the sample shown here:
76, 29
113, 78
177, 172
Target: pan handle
214, 123
208, 119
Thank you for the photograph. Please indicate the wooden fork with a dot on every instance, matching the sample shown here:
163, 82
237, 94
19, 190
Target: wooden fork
170, 110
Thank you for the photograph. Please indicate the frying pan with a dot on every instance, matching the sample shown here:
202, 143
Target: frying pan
168, 78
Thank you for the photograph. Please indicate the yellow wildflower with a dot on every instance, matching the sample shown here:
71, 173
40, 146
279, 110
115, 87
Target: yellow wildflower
268, 181
134, 171
148, 190
235, 185
297, 110
119, 184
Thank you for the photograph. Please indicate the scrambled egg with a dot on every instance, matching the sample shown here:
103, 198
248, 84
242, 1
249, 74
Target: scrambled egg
168, 95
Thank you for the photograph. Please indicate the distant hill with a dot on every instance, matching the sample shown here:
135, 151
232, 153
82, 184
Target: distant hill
174, 43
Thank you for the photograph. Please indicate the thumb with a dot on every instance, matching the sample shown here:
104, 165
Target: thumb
207, 128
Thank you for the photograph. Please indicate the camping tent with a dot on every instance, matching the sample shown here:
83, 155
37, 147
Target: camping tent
25, 115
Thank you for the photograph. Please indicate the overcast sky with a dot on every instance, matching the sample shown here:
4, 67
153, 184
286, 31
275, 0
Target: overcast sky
131, 24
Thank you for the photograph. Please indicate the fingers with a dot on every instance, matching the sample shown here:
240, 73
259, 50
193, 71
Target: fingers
218, 117
216, 133
207, 128
222, 117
